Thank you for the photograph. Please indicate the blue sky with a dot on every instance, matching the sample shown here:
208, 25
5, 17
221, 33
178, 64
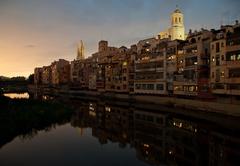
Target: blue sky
37, 32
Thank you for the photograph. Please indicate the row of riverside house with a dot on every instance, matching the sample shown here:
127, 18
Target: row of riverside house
205, 65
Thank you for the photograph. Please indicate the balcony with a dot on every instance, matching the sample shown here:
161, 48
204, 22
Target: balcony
233, 63
233, 80
231, 48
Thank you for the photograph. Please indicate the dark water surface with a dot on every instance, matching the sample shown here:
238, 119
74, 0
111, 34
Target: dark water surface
75, 132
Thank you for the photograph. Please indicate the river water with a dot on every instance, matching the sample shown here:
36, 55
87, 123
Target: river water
82, 132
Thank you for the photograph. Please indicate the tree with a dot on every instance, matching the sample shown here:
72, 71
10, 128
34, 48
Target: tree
31, 79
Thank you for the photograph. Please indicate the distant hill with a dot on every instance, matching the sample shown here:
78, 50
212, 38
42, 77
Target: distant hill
19, 78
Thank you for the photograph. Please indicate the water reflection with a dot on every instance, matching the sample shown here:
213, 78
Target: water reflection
158, 138
162, 138
17, 95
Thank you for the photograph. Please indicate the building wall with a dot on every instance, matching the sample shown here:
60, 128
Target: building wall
38, 76
60, 72
192, 78
225, 62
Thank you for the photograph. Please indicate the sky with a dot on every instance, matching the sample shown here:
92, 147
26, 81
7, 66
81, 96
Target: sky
34, 33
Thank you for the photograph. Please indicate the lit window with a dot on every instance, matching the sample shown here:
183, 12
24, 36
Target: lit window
223, 74
108, 109
233, 58
213, 59
238, 57
125, 63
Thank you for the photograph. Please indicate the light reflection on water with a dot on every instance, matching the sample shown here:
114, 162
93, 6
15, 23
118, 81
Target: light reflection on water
17, 95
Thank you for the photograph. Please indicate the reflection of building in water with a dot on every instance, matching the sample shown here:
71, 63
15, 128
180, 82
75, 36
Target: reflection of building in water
186, 145
115, 125
150, 136
83, 117
160, 138
224, 149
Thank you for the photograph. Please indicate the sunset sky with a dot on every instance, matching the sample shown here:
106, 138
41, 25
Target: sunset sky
34, 33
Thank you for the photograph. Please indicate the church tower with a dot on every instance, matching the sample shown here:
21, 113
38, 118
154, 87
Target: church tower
80, 51
177, 30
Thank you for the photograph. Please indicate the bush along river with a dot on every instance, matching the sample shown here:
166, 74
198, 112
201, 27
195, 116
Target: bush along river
65, 131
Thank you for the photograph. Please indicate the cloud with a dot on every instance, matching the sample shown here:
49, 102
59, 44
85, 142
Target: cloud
30, 46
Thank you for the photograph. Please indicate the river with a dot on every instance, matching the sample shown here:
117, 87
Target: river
60, 131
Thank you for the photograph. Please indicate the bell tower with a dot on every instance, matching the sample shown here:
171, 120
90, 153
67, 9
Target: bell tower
80, 51
177, 30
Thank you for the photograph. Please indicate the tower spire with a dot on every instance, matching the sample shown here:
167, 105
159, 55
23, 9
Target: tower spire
80, 51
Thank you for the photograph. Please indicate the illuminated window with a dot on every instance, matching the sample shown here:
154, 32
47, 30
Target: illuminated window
108, 109
223, 74
124, 63
213, 59
192, 88
233, 58
238, 57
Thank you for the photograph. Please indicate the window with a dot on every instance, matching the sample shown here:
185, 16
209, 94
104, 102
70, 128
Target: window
238, 57
233, 56
176, 20
138, 86
180, 20
217, 60
178, 88
213, 59
192, 88
222, 74
150, 86
223, 58
222, 44
160, 87
144, 86
217, 47
234, 73
213, 75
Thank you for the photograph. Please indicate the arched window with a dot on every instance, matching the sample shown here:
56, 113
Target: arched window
176, 20
180, 20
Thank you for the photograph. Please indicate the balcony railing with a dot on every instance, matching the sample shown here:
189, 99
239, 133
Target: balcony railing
233, 63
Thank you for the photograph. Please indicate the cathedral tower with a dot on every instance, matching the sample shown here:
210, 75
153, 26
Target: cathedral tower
80, 51
177, 30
